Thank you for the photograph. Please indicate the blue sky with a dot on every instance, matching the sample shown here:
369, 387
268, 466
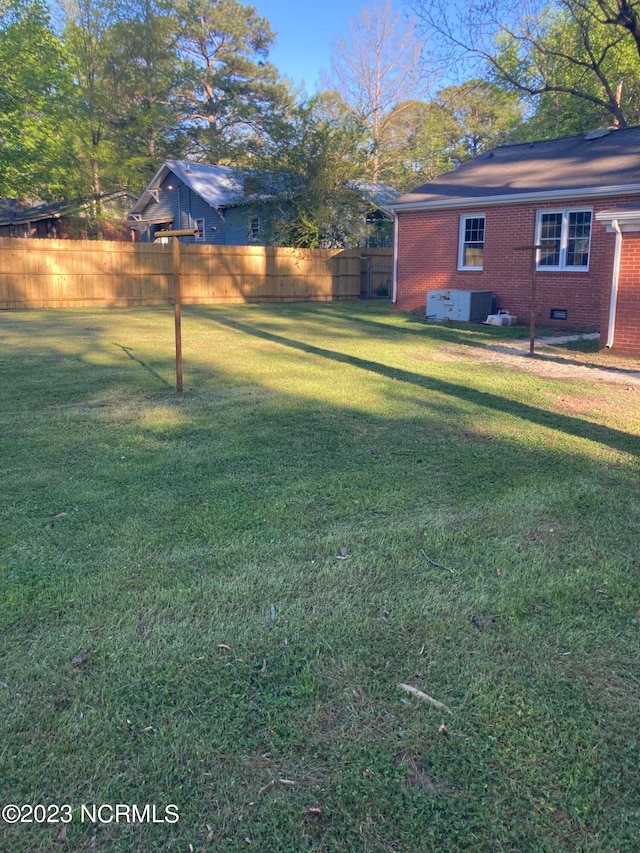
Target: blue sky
305, 32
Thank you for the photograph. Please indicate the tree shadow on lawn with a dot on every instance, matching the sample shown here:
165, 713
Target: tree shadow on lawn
183, 590
85, 327
577, 427
469, 334
509, 340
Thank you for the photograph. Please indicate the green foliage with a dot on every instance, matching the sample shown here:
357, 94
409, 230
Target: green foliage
565, 58
421, 139
157, 80
145, 120
87, 37
487, 115
561, 111
376, 68
34, 88
311, 158
100, 104
229, 89
569, 64
425, 139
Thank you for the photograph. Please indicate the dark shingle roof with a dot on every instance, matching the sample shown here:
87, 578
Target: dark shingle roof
14, 212
576, 165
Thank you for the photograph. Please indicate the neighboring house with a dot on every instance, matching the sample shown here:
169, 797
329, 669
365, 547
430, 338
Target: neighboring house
379, 221
67, 219
576, 199
226, 205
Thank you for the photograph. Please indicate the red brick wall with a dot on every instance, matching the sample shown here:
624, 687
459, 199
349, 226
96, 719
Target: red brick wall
428, 259
626, 339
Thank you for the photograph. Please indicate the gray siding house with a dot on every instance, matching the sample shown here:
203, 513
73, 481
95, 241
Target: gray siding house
217, 201
230, 206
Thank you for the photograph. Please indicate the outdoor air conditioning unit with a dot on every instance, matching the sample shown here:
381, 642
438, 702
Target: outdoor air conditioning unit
502, 318
471, 306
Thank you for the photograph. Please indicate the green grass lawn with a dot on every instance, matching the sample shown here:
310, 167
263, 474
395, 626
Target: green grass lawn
210, 601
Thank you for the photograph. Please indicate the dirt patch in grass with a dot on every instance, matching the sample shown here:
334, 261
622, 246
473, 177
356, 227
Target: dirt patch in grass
622, 406
562, 362
556, 367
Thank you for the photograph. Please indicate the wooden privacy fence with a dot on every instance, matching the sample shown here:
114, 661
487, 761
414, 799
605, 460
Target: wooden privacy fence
70, 273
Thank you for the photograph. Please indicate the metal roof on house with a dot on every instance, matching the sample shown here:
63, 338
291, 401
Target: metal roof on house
228, 186
379, 194
219, 186
604, 162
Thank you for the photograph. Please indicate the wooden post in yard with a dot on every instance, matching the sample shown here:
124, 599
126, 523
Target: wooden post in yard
177, 296
177, 311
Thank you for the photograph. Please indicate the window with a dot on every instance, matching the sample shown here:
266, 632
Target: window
564, 238
199, 224
471, 245
254, 229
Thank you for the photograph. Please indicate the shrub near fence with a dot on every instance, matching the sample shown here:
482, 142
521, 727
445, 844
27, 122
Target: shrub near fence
74, 273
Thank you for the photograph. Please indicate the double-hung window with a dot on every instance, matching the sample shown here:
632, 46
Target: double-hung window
471, 242
564, 237
255, 229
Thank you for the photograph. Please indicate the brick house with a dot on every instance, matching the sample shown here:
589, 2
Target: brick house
560, 218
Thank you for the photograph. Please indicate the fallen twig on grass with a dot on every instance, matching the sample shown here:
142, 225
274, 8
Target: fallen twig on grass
437, 565
420, 695
266, 787
313, 811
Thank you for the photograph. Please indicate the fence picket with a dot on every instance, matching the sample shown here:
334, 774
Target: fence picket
75, 273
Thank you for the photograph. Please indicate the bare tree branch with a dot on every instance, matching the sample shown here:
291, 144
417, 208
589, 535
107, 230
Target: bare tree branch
376, 68
521, 49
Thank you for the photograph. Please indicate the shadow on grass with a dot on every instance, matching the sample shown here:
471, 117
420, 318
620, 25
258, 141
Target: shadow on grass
469, 334
147, 367
215, 514
562, 423
502, 339
563, 360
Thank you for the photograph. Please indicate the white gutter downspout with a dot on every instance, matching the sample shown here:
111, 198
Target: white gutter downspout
394, 295
614, 284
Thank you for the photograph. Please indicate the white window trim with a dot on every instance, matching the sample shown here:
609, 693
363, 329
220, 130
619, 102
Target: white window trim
254, 236
200, 236
562, 266
461, 243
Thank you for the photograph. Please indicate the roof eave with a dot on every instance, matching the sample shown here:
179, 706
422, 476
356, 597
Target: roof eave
34, 216
154, 183
626, 219
517, 198
386, 210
